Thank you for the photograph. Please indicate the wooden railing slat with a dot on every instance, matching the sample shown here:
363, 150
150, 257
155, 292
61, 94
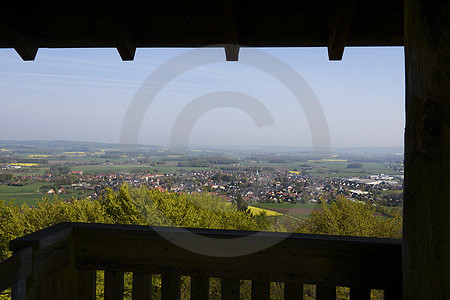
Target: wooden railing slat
142, 286
359, 294
171, 287
325, 292
19, 290
113, 285
393, 293
46, 288
230, 289
293, 291
15, 268
59, 284
85, 284
199, 288
69, 282
260, 290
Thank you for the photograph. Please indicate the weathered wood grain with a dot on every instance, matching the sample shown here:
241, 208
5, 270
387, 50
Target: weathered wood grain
199, 288
260, 290
293, 291
165, 24
426, 213
15, 268
142, 286
359, 294
114, 285
85, 284
328, 260
43, 238
171, 287
230, 289
325, 292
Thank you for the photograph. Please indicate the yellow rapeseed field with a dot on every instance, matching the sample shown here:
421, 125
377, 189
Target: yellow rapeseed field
25, 164
38, 155
334, 159
295, 172
257, 210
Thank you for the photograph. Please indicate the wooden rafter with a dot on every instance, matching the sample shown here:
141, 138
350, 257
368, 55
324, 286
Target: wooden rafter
232, 52
340, 28
230, 32
124, 41
23, 42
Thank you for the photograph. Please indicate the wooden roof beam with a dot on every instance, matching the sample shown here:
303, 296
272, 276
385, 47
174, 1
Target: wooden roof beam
23, 42
230, 32
340, 28
124, 41
125, 45
231, 52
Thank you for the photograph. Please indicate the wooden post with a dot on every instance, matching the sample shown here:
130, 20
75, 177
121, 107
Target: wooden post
426, 235
293, 291
230, 289
114, 285
199, 287
171, 287
359, 294
260, 290
85, 284
142, 286
325, 292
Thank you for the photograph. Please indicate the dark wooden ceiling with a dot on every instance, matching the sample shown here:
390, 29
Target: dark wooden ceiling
126, 25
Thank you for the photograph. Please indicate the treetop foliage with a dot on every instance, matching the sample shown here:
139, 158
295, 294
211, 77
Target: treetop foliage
345, 217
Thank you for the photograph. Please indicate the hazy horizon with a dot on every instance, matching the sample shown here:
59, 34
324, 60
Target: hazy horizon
83, 95
256, 148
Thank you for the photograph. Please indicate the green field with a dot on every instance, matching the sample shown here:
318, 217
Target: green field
297, 210
93, 169
327, 168
286, 205
28, 194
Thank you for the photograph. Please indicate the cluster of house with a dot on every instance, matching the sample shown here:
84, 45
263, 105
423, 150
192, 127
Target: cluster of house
251, 185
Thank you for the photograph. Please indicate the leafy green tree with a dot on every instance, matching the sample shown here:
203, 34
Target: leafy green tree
62, 170
241, 205
345, 217
355, 165
5, 177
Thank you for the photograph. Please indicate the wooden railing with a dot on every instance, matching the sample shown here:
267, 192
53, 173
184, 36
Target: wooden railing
61, 262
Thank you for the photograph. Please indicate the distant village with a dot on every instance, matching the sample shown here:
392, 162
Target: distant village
250, 186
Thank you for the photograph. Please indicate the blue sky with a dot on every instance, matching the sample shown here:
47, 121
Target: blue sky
83, 94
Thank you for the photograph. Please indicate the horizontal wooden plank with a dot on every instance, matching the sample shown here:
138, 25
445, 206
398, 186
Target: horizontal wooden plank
43, 238
15, 268
326, 260
151, 232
